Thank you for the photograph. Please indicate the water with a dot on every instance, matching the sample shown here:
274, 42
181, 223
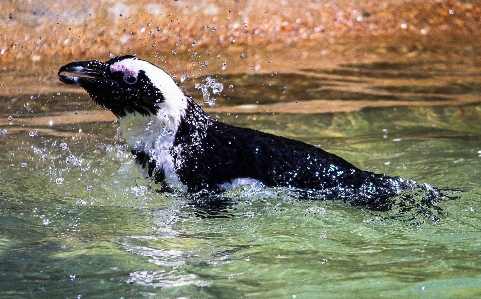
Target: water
77, 221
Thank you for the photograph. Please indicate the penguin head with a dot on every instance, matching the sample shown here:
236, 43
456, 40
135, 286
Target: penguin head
127, 85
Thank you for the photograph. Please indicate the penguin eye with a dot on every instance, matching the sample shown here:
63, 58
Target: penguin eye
129, 79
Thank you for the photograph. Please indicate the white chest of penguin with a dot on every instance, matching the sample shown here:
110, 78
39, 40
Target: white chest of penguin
154, 136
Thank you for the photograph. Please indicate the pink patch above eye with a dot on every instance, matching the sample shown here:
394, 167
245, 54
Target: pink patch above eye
123, 69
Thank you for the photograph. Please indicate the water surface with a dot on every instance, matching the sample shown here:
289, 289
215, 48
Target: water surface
78, 221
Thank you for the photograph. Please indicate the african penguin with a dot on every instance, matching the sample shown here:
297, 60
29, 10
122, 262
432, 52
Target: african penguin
177, 143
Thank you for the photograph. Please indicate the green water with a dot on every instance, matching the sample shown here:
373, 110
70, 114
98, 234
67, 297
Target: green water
76, 221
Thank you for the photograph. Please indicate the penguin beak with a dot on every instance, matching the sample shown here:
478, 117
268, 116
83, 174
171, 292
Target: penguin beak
85, 73
95, 77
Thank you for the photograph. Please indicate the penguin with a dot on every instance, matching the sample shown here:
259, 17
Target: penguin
180, 146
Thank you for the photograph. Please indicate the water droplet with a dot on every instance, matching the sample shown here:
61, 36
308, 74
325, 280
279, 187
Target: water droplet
209, 83
33, 133
45, 220
194, 43
9, 118
59, 181
3, 132
28, 106
90, 188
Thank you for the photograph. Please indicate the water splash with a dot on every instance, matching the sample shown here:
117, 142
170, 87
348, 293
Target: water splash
45, 220
161, 279
209, 83
33, 133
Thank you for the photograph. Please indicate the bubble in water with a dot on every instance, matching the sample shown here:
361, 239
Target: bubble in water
3, 132
9, 118
59, 181
33, 133
71, 159
63, 146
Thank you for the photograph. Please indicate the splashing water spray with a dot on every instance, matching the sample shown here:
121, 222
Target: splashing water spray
209, 83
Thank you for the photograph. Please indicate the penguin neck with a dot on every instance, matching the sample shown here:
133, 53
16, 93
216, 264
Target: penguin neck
194, 124
144, 133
